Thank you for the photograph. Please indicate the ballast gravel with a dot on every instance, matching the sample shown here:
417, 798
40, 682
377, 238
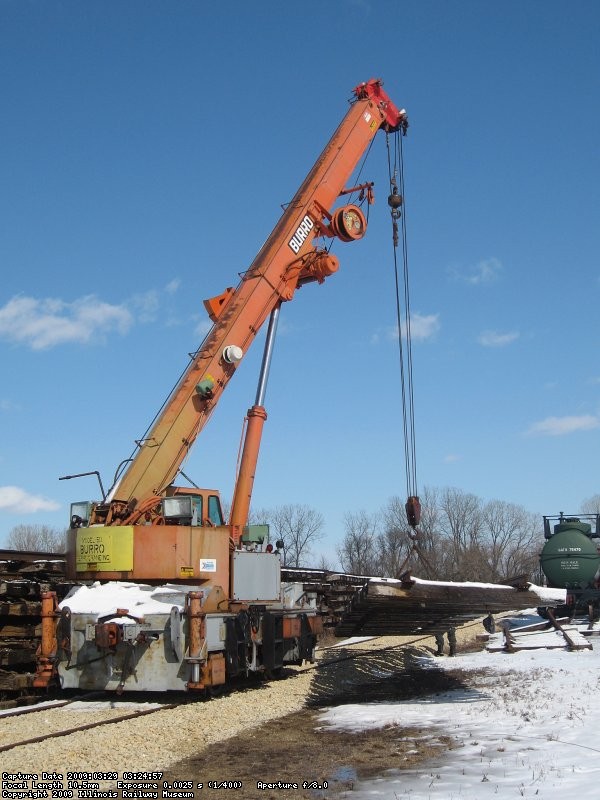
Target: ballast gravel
157, 741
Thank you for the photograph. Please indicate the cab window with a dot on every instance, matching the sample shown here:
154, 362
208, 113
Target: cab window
215, 514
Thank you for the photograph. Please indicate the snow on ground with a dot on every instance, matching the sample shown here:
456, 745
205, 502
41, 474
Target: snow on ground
528, 728
351, 640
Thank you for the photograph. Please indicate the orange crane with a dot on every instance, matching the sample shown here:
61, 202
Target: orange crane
146, 529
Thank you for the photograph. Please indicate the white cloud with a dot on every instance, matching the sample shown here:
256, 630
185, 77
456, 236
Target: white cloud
561, 426
203, 327
422, 327
45, 323
147, 305
9, 405
495, 339
451, 458
18, 501
486, 271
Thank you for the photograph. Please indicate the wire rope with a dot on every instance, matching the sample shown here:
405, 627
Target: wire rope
402, 297
411, 406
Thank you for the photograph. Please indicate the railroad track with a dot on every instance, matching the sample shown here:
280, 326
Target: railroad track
113, 720
48, 710
374, 662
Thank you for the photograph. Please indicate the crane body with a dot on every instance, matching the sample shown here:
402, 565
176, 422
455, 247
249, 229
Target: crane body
224, 610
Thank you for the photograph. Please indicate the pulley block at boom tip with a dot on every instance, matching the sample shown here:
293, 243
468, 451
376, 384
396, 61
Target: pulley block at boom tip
396, 118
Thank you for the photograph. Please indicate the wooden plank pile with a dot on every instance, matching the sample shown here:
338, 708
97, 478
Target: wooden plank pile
22, 581
386, 607
20, 632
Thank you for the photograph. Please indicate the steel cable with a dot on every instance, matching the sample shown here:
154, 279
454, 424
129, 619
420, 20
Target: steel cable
396, 168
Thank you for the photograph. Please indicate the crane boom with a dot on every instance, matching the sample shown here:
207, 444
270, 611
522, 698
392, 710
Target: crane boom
288, 258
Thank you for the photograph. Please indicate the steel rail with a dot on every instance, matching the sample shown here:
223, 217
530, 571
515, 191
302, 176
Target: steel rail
86, 727
40, 705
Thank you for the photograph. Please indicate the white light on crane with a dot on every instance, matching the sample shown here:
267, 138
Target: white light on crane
233, 354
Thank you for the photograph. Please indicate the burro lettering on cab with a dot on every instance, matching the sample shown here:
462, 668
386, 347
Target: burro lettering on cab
90, 550
301, 234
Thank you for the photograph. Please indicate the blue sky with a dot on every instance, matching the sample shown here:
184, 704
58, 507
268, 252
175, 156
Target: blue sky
146, 150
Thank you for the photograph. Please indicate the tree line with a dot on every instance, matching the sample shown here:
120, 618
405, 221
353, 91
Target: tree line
460, 538
42, 538
298, 526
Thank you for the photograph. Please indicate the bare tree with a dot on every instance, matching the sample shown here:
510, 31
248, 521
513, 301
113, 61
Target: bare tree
461, 527
37, 537
325, 564
358, 550
432, 552
260, 516
591, 505
226, 509
458, 538
401, 549
299, 526
395, 544
512, 537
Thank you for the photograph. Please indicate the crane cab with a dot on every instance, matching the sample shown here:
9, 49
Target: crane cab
195, 507
181, 538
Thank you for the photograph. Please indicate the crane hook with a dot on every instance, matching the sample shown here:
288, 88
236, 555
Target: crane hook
413, 511
395, 201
